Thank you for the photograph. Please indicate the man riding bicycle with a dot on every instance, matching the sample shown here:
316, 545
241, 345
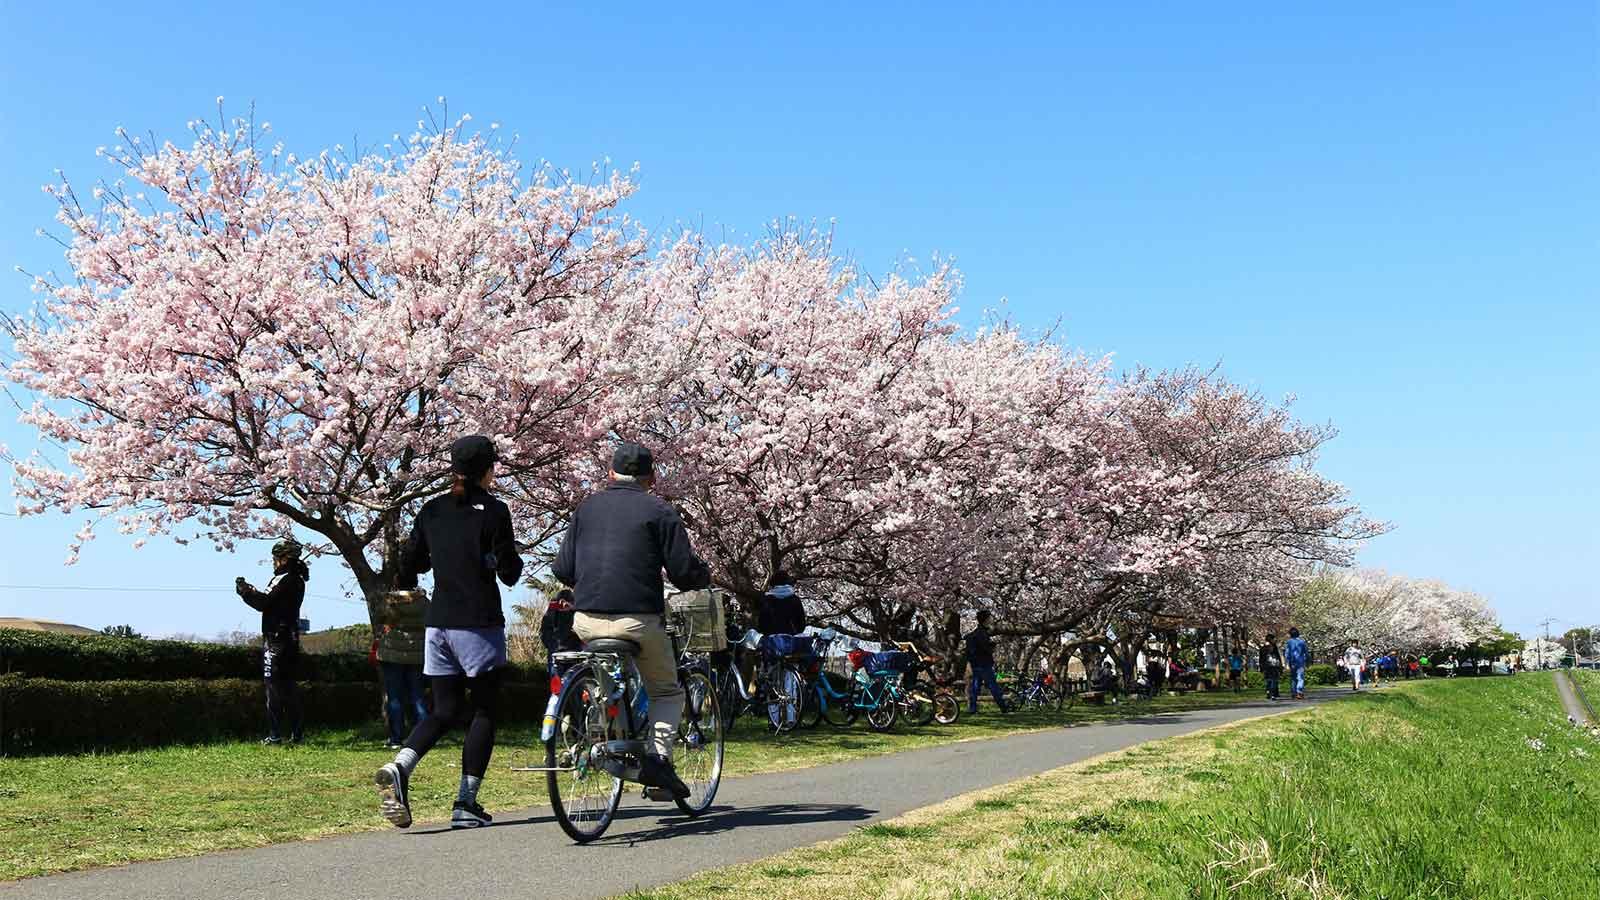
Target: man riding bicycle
615, 548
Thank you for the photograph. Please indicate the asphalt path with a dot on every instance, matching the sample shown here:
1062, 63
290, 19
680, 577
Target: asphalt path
525, 855
1569, 698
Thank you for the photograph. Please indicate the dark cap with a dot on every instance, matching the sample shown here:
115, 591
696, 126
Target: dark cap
288, 548
472, 456
632, 459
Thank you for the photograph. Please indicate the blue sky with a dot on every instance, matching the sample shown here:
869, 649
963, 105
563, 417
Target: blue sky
1389, 211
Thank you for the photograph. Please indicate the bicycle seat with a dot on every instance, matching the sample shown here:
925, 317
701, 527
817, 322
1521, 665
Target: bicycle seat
619, 646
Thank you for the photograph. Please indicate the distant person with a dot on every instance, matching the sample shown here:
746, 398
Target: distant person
279, 606
1271, 666
1454, 665
398, 618
465, 538
1354, 662
980, 659
782, 611
1424, 665
555, 628
1105, 678
1235, 671
1297, 653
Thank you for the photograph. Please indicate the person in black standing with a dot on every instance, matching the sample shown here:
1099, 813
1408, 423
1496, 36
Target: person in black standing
1271, 665
555, 628
279, 606
980, 659
465, 538
782, 611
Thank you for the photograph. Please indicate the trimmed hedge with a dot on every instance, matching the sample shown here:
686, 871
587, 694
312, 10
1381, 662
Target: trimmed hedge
69, 657
1322, 673
43, 715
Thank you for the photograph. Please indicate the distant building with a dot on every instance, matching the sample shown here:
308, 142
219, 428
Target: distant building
42, 625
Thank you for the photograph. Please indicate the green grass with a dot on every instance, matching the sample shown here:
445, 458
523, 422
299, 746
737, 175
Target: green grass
75, 811
1467, 788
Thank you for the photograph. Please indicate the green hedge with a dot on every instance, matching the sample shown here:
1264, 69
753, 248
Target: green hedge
1322, 673
43, 654
42, 715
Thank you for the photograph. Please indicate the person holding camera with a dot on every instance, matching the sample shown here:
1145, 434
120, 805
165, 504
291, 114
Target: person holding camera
465, 538
279, 606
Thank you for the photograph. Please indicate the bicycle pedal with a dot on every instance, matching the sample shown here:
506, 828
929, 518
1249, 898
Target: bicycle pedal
659, 795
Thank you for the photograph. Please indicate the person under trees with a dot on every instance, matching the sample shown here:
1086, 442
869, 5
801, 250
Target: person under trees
980, 660
1271, 663
465, 538
781, 610
279, 606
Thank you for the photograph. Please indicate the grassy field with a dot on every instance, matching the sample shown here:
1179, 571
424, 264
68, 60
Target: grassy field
1466, 788
71, 812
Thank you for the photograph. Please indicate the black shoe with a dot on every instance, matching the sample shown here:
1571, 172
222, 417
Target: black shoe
658, 773
393, 798
469, 815
659, 795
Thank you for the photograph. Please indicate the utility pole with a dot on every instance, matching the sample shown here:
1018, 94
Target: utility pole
1546, 626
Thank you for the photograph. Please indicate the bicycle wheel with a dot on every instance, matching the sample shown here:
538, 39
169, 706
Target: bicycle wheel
810, 705
882, 713
946, 708
783, 700
584, 797
916, 709
700, 745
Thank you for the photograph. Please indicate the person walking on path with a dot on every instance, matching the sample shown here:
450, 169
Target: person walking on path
616, 546
1297, 653
465, 538
980, 659
1271, 666
398, 619
1235, 670
1354, 662
279, 606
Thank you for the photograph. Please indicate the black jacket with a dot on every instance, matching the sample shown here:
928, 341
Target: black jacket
781, 615
466, 541
980, 648
555, 631
279, 604
1270, 661
616, 545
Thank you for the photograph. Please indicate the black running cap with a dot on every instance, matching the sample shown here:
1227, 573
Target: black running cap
633, 459
472, 456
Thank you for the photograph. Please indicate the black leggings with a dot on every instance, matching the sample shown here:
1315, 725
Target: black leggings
284, 710
473, 702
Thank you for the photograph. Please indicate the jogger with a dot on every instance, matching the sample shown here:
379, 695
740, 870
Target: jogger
465, 538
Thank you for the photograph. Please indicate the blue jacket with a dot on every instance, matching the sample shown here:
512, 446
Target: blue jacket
1296, 653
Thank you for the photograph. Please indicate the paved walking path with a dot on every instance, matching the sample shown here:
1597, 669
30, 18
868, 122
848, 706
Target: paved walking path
526, 856
1569, 698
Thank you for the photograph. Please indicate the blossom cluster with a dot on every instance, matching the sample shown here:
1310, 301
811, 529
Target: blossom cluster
251, 342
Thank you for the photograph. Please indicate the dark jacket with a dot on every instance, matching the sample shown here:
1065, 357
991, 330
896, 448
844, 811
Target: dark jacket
1270, 662
615, 547
781, 615
397, 622
279, 604
980, 648
465, 541
555, 631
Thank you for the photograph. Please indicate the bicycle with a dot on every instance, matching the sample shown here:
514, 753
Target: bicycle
877, 695
1040, 694
600, 733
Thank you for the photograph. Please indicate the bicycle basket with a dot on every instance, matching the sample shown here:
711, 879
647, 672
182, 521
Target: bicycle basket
699, 614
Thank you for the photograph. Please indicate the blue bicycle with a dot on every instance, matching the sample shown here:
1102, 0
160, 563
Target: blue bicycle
840, 701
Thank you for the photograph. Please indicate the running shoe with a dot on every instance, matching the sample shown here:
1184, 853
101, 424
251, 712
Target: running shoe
469, 815
393, 798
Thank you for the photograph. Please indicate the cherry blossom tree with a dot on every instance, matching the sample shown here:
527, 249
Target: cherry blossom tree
248, 340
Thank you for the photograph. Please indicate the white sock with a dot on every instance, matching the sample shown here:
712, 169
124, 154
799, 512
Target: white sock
468, 792
406, 759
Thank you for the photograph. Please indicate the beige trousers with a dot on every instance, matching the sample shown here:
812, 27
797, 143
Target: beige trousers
658, 667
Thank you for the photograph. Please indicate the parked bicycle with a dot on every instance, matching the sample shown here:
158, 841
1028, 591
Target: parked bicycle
598, 732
